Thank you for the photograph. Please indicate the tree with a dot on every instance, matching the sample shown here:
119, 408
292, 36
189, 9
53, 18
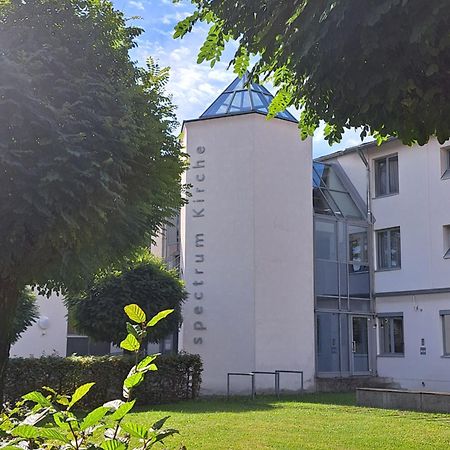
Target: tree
377, 64
26, 314
90, 167
99, 313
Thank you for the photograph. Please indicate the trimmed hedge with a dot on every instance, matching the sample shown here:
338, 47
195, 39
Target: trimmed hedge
178, 377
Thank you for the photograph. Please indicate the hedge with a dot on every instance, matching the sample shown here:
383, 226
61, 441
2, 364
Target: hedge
178, 377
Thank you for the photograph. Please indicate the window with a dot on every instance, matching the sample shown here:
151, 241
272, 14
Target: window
445, 162
446, 241
391, 334
446, 331
358, 249
80, 344
388, 249
386, 176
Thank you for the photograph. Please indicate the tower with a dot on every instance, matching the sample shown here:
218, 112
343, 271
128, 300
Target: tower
247, 241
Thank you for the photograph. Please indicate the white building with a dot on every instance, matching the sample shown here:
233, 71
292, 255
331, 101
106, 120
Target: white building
409, 194
338, 267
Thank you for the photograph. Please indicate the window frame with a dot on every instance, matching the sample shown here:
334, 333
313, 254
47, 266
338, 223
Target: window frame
386, 159
389, 240
443, 314
445, 163
390, 317
446, 239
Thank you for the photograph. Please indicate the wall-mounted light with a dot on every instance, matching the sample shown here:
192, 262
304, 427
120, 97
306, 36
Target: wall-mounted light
43, 322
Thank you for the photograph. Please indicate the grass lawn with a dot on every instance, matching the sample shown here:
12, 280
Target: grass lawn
313, 421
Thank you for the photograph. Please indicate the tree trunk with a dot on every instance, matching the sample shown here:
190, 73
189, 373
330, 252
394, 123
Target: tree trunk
9, 295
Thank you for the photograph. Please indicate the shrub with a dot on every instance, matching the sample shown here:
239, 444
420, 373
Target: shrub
178, 377
61, 428
143, 280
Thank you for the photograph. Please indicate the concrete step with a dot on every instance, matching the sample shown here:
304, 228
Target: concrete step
347, 384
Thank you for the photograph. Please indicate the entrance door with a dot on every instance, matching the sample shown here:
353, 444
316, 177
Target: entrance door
360, 345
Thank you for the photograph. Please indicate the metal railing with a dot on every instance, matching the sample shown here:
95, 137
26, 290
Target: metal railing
276, 374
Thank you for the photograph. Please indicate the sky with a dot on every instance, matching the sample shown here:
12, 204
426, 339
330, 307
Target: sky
193, 86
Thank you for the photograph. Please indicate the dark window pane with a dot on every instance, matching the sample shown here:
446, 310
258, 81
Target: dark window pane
77, 345
325, 240
328, 355
326, 278
330, 200
446, 325
391, 335
328, 176
382, 250
328, 303
86, 346
393, 175
395, 248
359, 283
385, 335
345, 204
398, 335
357, 245
358, 305
380, 177
321, 206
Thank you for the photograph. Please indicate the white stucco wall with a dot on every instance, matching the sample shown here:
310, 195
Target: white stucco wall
247, 250
35, 341
421, 320
421, 209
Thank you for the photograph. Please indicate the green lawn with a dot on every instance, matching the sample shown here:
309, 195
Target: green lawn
314, 421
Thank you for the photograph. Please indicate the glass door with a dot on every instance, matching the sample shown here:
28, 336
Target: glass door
360, 345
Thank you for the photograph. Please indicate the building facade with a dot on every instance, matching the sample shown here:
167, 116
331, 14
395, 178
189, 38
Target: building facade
409, 197
338, 267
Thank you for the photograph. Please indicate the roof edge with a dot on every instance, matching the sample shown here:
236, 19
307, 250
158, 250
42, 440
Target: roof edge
224, 116
356, 148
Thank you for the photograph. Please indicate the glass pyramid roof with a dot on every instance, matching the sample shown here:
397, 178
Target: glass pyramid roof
240, 98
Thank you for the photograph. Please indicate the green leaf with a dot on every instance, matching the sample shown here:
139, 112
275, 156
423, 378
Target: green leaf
165, 433
133, 380
38, 398
241, 61
94, 417
279, 103
130, 343
159, 316
123, 410
146, 362
63, 400
135, 313
185, 25
59, 419
159, 424
53, 434
135, 430
26, 432
80, 393
134, 330
113, 444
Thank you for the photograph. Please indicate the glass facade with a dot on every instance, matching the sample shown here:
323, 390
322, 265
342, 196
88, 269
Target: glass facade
344, 310
243, 97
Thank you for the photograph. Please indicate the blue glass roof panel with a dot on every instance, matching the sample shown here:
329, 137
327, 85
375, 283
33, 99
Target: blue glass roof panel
245, 98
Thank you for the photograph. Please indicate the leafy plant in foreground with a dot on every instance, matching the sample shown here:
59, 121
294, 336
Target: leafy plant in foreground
52, 423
